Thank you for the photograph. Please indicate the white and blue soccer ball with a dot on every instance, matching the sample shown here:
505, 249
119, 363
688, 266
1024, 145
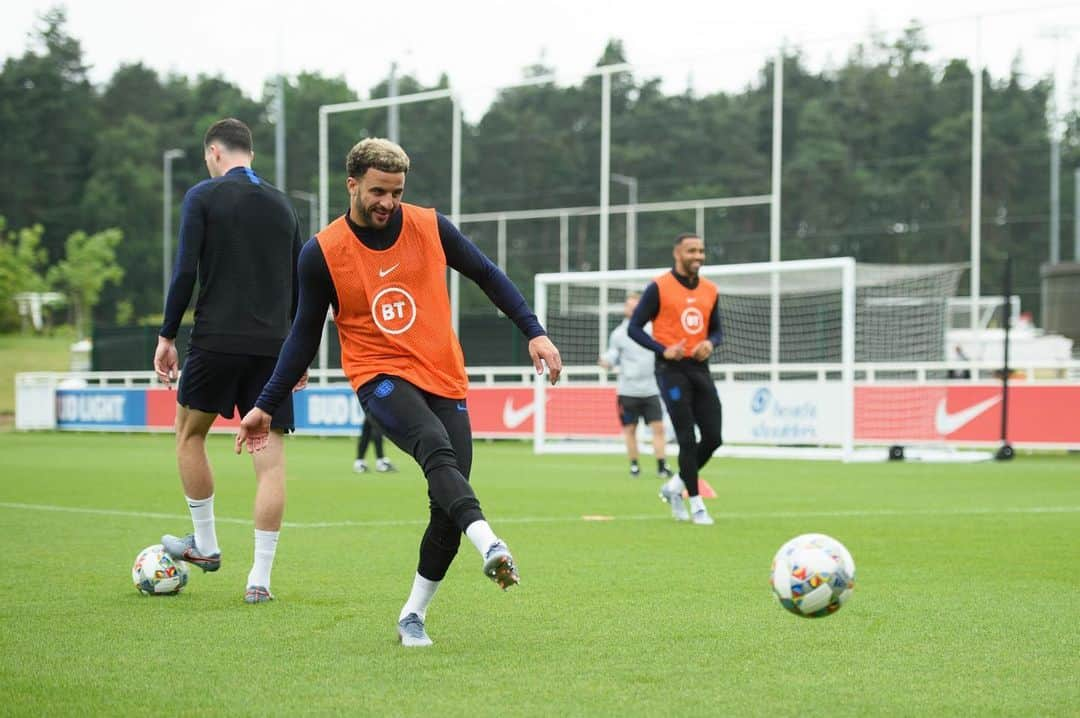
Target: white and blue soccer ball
813, 575
155, 573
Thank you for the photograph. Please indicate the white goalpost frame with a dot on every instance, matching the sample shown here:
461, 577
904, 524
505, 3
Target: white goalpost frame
325, 111
845, 266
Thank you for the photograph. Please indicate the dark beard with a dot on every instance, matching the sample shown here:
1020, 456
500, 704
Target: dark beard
369, 219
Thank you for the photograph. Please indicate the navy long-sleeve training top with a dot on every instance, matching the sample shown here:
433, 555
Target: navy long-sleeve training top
239, 236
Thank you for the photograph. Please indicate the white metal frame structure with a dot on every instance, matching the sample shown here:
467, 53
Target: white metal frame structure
605, 72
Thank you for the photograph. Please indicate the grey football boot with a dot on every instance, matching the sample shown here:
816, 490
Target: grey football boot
499, 566
257, 594
183, 549
411, 631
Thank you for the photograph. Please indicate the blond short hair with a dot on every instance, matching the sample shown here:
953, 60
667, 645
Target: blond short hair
383, 155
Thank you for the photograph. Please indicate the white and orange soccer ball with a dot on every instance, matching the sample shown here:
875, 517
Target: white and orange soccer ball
813, 575
155, 573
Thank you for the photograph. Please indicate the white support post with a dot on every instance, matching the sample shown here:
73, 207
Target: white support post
847, 357
564, 256
166, 221
455, 210
774, 215
976, 180
777, 150
393, 115
1055, 197
324, 172
539, 383
605, 202
279, 132
631, 216
324, 213
500, 244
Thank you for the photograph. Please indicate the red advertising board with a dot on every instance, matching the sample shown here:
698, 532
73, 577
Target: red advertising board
1039, 414
968, 413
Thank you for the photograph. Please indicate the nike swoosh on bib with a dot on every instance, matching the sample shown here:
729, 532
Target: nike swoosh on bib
946, 423
513, 418
384, 272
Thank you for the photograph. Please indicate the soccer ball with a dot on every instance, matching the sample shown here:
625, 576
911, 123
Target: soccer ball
155, 573
813, 575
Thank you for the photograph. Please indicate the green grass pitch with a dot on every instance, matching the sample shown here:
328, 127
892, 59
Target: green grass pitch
967, 599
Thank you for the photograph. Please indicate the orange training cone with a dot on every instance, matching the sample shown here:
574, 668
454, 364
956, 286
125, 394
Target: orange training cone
704, 490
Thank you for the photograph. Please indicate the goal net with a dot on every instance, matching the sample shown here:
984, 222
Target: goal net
795, 334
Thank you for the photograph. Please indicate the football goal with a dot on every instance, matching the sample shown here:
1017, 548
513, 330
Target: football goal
795, 335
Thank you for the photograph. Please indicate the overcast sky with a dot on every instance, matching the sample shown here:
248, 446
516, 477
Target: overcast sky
481, 45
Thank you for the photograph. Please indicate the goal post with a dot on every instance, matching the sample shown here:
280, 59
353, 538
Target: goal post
795, 336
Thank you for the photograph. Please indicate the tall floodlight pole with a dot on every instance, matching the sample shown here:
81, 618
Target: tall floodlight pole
393, 131
279, 133
774, 214
976, 179
455, 207
605, 200
631, 217
777, 154
312, 200
1055, 194
605, 167
166, 220
1057, 129
324, 171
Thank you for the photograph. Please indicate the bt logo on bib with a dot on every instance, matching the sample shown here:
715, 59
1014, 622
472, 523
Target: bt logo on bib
393, 310
692, 320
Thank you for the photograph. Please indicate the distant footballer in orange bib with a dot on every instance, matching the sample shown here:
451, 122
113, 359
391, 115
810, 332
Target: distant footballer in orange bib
684, 310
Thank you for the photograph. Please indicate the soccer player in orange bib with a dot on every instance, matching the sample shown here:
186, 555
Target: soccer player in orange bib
684, 311
382, 267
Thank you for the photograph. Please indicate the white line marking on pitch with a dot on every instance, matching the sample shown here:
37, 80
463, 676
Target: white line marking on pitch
749, 516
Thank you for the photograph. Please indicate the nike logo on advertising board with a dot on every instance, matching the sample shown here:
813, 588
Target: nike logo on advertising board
384, 272
513, 418
946, 423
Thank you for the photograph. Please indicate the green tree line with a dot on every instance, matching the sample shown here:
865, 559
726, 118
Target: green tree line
877, 163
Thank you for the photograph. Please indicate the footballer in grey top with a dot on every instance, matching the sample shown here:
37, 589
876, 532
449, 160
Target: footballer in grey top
637, 392
636, 364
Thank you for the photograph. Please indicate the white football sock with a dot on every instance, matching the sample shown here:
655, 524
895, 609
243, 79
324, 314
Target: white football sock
422, 592
697, 504
202, 517
481, 535
265, 548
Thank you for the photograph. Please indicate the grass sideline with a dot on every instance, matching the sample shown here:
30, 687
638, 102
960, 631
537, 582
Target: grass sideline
21, 352
965, 602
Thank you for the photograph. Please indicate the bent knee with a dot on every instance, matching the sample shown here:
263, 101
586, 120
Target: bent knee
713, 441
435, 452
